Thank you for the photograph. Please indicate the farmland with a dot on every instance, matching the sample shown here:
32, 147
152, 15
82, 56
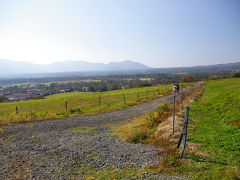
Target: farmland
78, 103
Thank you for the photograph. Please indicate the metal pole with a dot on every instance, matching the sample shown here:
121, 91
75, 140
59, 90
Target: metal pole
182, 98
174, 111
185, 132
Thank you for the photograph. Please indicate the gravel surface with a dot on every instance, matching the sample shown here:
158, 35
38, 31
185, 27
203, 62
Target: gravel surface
49, 150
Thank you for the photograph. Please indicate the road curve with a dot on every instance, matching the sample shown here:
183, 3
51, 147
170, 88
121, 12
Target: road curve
91, 120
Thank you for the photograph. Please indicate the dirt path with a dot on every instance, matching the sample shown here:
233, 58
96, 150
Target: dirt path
49, 150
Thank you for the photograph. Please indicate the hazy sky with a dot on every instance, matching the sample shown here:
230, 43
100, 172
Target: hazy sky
154, 32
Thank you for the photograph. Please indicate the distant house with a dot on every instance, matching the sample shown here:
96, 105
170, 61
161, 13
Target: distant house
19, 96
39, 92
85, 88
64, 90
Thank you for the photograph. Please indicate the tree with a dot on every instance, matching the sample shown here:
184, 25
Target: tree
187, 78
236, 74
3, 99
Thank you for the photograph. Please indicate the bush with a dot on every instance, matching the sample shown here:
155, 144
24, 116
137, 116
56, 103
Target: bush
63, 114
236, 75
3, 99
187, 78
75, 110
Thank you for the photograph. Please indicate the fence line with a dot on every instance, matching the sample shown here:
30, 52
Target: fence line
81, 102
183, 138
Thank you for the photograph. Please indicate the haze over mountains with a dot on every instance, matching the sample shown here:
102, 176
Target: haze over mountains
10, 68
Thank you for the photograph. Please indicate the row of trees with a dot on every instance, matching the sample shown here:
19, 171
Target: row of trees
106, 84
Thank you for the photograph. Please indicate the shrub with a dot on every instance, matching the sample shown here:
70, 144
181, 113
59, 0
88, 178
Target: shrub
75, 110
187, 78
63, 114
3, 99
236, 74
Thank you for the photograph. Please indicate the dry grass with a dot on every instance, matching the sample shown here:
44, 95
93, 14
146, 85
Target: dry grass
141, 129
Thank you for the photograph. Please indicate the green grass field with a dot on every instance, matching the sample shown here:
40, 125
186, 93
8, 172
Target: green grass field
78, 103
215, 128
217, 124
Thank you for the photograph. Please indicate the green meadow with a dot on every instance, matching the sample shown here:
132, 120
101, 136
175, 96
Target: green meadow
214, 128
217, 121
78, 103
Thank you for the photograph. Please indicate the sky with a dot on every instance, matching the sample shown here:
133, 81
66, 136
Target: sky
158, 33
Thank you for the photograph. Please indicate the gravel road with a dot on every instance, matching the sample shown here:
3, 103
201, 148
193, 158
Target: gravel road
49, 150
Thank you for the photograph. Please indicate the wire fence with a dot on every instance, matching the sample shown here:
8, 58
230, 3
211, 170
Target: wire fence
87, 104
182, 143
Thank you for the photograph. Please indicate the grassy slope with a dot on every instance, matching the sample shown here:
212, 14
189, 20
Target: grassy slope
217, 125
53, 106
215, 128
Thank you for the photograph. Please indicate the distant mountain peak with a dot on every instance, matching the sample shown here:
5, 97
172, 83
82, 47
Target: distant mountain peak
17, 67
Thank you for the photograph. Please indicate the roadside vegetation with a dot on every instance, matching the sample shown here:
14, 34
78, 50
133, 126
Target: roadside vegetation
78, 103
213, 138
142, 129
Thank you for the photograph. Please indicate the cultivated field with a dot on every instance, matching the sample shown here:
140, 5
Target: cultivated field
78, 103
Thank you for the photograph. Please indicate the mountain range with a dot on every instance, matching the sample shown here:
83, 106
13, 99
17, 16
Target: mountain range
17, 69
8, 67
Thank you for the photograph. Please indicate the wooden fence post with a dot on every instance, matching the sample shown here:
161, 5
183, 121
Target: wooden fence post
16, 110
138, 96
158, 91
99, 99
124, 99
66, 105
